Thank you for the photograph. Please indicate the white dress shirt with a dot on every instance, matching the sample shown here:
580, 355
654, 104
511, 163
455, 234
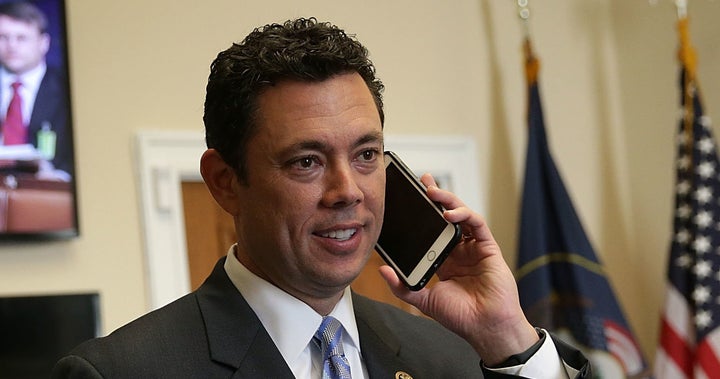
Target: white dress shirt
292, 324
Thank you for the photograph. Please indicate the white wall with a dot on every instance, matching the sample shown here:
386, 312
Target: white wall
608, 79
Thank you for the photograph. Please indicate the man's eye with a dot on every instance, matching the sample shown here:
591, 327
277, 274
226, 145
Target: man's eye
305, 162
368, 155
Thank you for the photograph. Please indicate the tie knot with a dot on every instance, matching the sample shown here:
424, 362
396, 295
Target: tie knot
329, 338
16, 85
329, 335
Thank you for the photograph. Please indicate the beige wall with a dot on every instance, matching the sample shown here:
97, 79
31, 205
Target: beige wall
608, 83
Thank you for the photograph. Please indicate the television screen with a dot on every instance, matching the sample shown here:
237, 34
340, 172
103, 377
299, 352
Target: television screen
35, 331
37, 160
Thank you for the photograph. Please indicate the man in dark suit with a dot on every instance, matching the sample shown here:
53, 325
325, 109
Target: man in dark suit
42, 90
294, 128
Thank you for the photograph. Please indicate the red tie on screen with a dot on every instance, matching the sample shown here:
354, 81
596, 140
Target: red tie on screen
14, 132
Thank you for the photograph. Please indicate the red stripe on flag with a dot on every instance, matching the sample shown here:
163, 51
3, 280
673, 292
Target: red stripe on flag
676, 348
707, 359
622, 345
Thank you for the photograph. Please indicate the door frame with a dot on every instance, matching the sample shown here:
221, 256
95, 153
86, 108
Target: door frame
166, 158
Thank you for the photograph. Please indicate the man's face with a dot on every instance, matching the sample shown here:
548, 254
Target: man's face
312, 208
22, 45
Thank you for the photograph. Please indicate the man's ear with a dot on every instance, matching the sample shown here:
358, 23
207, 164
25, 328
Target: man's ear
221, 180
45, 43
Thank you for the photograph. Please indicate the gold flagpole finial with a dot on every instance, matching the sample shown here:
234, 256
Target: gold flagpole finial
686, 52
688, 60
532, 65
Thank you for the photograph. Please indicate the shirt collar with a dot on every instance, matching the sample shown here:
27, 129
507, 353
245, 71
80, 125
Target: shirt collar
290, 322
30, 79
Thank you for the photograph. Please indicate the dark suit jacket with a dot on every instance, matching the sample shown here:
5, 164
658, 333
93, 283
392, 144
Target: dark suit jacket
52, 105
213, 333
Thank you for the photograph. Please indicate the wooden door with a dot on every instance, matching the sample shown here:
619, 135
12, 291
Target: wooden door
210, 232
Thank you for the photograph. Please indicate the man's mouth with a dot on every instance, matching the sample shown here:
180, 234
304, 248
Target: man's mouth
340, 235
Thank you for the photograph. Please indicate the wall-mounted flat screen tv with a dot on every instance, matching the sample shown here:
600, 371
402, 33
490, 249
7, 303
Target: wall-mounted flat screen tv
36, 331
37, 159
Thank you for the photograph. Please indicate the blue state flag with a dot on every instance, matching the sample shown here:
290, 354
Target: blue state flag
562, 284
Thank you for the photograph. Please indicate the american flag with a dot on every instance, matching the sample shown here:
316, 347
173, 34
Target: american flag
690, 324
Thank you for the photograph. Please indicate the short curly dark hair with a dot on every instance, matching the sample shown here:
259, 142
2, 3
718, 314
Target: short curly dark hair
302, 49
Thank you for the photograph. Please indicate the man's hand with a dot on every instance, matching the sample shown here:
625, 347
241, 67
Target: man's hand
476, 296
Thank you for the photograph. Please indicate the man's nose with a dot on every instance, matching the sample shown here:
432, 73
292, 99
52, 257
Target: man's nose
341, 187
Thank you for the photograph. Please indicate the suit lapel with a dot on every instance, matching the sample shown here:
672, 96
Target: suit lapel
46, 103
235, 335
378, 343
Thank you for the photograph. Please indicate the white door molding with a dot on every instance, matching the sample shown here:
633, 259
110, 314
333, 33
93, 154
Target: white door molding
166, 159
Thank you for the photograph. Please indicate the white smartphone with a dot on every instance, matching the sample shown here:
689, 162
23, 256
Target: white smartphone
415, 238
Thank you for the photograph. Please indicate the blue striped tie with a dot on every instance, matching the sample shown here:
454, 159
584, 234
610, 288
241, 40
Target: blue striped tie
329, 339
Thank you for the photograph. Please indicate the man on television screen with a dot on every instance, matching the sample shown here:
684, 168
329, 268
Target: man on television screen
33, 96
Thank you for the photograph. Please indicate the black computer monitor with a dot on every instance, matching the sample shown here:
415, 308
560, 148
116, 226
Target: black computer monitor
35, 331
